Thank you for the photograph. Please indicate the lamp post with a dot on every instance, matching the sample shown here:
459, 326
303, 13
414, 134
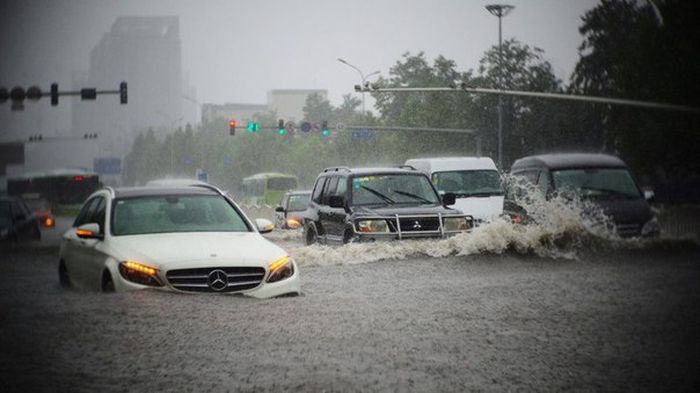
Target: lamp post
363, 77
500, 10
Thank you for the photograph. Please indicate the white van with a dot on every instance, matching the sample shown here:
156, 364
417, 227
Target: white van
475, 181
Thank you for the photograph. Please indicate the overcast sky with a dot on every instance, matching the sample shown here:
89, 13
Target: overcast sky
235, 51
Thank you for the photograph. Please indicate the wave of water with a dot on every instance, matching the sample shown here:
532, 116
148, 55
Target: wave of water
561, 228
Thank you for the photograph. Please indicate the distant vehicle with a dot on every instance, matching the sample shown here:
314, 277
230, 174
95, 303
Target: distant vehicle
290, 213
188, 239
42, 209
62, 186
475, 181
17, 223
600, 178
267, 188
366, 204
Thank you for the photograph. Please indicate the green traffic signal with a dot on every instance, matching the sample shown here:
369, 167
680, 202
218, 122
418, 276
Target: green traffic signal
253, 127
281, 131
325, 132
324, 128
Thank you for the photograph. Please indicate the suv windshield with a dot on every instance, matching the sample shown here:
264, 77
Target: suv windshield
596, 182
298, 202
469, 183
175, 213
393, 189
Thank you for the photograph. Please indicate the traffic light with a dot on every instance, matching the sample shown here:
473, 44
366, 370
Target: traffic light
253, 127
324, 129
122, 93
36, 138
90, 136
232, 127
54, 94
280, 128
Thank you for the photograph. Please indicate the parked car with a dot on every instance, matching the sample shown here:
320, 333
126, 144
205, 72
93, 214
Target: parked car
475, 181
17, 223
364, 204
600, 178
290, 213
189, 239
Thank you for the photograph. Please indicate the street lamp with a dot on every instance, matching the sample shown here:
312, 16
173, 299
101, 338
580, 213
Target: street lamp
364, 79
500, 10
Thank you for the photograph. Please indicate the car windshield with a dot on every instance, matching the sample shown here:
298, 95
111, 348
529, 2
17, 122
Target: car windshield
298, 202
469, 183
175, 213
596, 182
392, 190
5, 217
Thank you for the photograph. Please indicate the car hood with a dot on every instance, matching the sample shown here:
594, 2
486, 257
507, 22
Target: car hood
391, 211
481, 208
198, 249
626, 211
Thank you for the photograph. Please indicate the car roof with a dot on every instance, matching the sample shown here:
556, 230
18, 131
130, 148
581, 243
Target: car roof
130, 192
369, 171
174, 182
569, 160
441, 164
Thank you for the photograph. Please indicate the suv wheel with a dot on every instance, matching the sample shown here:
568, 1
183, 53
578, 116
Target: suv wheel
311, 237
63, 278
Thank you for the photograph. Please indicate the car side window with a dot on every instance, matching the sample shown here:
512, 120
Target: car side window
316, 197
329, 189
342, 187
84, 213
98, 215
543, 182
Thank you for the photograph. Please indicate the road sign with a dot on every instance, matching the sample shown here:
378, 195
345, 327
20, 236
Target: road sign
187, 160
340, 126
228, 161
305, 126
290, 126
362, 135
202, 175
107, 165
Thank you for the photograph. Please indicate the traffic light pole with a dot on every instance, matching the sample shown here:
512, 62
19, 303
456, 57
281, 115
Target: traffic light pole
18, 94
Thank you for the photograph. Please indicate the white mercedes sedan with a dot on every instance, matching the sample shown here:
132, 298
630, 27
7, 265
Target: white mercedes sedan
185, 239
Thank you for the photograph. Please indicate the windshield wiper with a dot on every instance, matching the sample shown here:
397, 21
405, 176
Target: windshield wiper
414, 196
379, 194
608, 191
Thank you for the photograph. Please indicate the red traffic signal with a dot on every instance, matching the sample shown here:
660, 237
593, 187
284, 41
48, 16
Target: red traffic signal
232, 127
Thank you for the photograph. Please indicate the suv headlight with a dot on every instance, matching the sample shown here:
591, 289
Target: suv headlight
366, 226
139, 273
651, 227
451, 224
280, 269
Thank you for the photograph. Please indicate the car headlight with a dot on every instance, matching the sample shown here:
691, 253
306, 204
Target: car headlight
367, 226
651, 227
139, 273
293, 223
451, 224
280, 269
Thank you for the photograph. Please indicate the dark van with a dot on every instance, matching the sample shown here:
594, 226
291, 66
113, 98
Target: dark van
601, 178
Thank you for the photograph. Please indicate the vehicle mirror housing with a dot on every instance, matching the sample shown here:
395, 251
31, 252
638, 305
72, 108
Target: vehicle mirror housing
649, 195
336, 201
264, 225
89, 231
449, 199
279, 209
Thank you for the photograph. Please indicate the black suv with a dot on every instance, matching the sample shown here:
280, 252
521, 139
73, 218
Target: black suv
379, 203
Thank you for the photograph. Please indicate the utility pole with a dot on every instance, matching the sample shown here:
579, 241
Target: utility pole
500, 10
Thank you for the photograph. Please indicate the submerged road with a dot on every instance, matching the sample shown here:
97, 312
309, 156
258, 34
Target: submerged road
627, 321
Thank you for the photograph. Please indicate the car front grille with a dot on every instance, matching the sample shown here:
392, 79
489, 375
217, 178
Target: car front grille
628, 230
197, 280
419, 224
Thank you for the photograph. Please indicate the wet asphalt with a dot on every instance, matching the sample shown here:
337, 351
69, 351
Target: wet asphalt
627, 321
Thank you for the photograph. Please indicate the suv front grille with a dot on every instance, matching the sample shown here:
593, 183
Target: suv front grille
419, 224
197, 280
628, 230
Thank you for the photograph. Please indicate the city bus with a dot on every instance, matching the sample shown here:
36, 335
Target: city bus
266, 188
62, 186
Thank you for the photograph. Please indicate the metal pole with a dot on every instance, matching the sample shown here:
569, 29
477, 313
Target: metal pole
500, 97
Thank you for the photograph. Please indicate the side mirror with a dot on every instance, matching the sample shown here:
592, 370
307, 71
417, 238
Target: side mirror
89, 231
336, 201
649, 195
264, 225
279, 209
449, 199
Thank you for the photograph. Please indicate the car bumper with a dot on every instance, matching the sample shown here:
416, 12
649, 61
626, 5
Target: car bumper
288, 286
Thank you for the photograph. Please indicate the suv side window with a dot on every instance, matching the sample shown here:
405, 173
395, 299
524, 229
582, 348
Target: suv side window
316, 197
543, 182
342, 187
329, 189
